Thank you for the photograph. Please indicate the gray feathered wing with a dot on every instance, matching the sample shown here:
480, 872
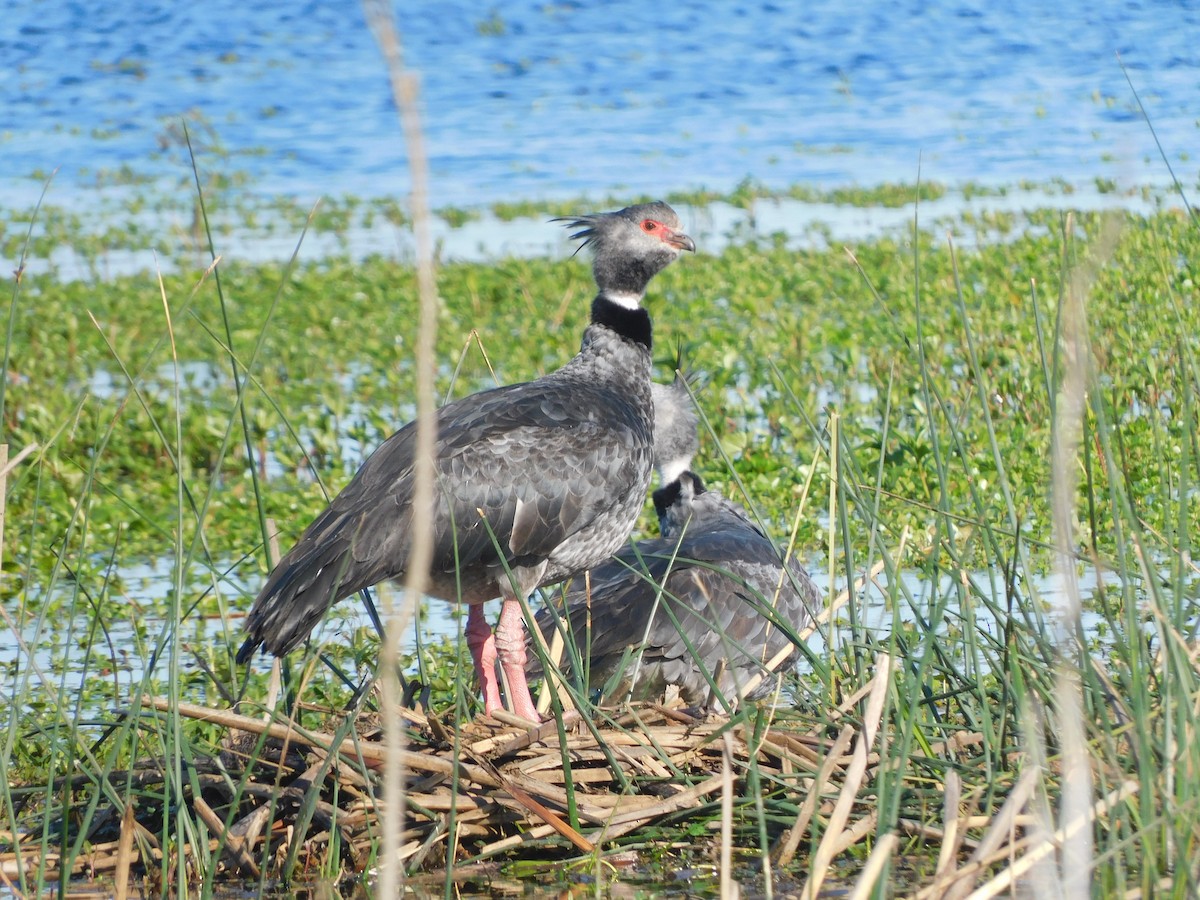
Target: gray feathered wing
724, 595
540, 460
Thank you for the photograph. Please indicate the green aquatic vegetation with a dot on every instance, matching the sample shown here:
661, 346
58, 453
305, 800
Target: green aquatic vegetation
527, 209
767, 325
972, 189
886, 195
748, 191
457, 217
743, 196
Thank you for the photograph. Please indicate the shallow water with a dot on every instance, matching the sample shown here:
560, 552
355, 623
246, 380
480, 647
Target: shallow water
534, 99
488, 238
57, 655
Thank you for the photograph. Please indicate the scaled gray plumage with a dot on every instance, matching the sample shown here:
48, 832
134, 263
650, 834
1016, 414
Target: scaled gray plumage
558, 467
675, 429
725, 591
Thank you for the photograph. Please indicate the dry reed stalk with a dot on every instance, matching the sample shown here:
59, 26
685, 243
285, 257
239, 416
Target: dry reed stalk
102, 857
623, 823
806, 761
550, 818
791, 747
553, 682
124, 854
930, 833
349, 747
527, 787
249, 827
232, 843
950, 816
407, 851
404, 90
874, 867
672, 740
634, 804
275, 678
856, 832
508, 718
1074, 872
854, 777
790, 841
955, 885
508, 743
834, 468
647, 761
1061, 838
669, 714
533, 834
4, 877
1025, 820
1074, 878
557, 776
6, 466
728, 886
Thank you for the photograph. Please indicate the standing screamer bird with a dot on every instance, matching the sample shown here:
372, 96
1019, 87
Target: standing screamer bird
544, 478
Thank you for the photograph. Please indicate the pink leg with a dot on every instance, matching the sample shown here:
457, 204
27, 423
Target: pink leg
483, 651
510, 647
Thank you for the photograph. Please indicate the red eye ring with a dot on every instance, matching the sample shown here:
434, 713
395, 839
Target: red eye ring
649, 225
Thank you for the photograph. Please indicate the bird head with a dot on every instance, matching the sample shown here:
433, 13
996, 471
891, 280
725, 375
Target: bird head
629, 247
673, 503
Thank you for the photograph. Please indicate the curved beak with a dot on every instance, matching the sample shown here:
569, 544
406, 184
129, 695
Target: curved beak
680, 241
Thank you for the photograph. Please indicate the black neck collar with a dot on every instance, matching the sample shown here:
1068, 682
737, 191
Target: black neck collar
668, 495
665, 497
631, 324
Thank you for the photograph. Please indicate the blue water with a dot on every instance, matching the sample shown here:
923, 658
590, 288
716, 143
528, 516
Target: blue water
528, 100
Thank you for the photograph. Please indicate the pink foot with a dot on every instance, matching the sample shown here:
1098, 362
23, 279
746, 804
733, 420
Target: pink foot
483, 650
510, 647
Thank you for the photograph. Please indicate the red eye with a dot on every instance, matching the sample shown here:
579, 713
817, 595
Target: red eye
649, 225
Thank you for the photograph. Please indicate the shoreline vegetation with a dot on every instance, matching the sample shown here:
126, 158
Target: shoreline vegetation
124, 224
1011, 397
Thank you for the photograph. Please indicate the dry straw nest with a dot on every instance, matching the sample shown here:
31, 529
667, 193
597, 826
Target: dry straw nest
482, 791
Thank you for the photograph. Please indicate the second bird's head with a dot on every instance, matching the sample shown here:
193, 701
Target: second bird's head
673, 503
630, 246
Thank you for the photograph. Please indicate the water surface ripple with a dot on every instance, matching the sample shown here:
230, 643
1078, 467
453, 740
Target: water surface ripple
542, 99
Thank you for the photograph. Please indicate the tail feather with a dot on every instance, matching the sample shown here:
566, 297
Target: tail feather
296, 597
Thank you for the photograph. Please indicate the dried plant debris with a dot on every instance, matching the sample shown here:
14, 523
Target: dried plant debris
279, 801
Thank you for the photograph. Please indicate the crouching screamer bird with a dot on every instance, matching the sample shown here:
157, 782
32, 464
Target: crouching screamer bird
709, 602
535, 481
